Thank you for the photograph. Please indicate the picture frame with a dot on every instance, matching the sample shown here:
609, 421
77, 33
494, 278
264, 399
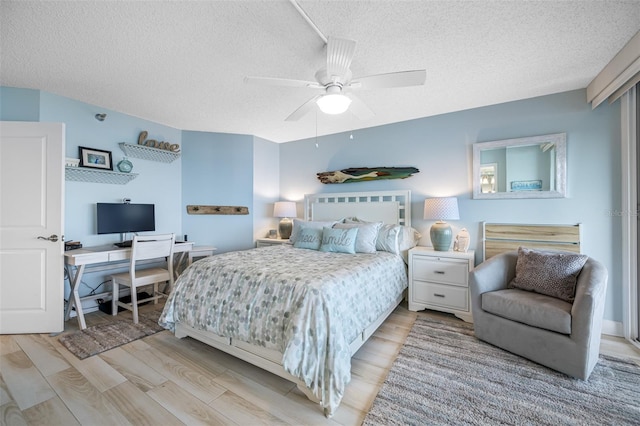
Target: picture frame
95, 158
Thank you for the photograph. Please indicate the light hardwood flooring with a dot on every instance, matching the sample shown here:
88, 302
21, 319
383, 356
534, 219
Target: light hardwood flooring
161, 380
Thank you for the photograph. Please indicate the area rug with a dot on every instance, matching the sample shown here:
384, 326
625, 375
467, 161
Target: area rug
443, 375
99, 338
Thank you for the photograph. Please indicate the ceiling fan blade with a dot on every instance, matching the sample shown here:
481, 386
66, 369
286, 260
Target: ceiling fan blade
359, 108
339, 55
269, 81
303, 110
390, 80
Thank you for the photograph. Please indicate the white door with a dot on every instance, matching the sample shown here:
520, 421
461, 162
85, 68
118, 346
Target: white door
31, 206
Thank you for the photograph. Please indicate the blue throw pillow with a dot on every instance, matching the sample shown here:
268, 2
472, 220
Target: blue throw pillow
339, 240
309, 238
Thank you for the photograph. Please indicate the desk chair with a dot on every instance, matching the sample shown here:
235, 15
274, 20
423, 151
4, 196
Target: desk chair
143, 248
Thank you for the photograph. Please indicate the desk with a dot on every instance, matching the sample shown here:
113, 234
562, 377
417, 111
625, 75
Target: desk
107, 254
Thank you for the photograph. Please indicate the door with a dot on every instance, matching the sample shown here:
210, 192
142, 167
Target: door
31, 227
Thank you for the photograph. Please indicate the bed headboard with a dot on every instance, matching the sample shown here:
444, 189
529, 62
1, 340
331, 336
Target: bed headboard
392, 207
501, 237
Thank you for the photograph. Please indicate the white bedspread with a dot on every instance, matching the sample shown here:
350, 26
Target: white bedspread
306, 304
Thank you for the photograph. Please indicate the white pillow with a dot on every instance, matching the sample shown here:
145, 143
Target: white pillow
367, 235
397, 239
299, 224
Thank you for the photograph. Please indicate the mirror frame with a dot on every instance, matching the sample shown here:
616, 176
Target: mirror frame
560, 141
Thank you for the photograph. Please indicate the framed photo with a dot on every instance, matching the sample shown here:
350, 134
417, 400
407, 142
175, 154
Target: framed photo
95, 158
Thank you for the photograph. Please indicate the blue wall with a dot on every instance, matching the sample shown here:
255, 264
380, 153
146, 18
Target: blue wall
19, 104
222, 169
218, 170
441, 147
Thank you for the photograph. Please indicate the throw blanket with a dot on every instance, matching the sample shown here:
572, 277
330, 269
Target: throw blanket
306, 304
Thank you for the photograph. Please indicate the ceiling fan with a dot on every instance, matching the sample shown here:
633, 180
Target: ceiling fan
334, 83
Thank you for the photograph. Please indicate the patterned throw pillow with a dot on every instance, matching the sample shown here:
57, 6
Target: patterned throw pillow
339, 240
299, 225
367, 235
547, 272
309, 238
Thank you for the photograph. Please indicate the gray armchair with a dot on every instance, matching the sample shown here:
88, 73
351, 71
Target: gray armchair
546, 330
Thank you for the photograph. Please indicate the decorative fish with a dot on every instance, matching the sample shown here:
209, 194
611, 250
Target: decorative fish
359, 174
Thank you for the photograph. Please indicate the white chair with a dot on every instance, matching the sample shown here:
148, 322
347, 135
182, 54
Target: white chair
143, 248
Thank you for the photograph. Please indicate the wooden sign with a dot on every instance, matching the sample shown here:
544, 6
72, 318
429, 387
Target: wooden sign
152, 143
197, 209
360, 174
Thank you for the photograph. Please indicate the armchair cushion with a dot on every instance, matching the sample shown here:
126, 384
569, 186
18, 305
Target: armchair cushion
536, 310
550, 273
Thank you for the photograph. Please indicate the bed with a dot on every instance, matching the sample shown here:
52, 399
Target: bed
298, 313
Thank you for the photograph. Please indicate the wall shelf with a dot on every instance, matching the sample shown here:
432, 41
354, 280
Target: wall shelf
147, 153
81, 174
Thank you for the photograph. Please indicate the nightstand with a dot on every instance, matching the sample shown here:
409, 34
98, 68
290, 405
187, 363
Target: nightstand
265, 242
439, 280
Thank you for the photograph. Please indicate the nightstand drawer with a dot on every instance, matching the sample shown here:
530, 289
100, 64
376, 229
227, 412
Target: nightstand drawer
449, 271
441, 295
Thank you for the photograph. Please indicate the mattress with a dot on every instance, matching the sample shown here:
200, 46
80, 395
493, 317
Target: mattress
306, 304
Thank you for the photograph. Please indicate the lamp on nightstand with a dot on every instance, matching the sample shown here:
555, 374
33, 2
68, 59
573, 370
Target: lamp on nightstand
441, 209
285, 210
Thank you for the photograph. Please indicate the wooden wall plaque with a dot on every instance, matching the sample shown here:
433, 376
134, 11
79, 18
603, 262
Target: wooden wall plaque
199, 209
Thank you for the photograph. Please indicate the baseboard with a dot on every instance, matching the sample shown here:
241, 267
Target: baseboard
612, 328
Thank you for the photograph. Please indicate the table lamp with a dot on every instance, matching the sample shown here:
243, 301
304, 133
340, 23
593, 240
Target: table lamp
441, 209
285, 210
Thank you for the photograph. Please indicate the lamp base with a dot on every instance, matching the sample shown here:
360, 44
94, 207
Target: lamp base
441, 236
285, 227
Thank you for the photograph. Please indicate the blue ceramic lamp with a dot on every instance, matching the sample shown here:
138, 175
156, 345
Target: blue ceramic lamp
441, 209
285, 210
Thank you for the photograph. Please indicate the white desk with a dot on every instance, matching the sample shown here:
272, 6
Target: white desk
107, 254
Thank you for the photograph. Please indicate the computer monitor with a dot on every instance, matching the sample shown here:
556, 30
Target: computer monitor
117, 218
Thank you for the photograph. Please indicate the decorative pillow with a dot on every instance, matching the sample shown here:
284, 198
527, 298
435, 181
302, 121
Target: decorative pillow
397, 239
388, 239
299, 224
367, 235
339, 240
407, 238
387, 235
548, 272
309, 238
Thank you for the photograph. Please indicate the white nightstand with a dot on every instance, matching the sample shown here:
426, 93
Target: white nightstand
265, 242
439, 280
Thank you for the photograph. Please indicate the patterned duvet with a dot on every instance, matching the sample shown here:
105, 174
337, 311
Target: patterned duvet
306, 304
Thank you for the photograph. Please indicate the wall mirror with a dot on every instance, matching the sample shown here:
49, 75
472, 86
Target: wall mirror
533, 167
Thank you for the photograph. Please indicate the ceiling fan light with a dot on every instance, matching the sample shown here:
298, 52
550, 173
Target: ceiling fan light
333, 103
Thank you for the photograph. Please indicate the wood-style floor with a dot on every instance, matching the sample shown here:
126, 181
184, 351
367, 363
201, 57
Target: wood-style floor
161, 380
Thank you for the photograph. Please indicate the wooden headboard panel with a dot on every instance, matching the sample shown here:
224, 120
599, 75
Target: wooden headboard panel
501, 237
392, 207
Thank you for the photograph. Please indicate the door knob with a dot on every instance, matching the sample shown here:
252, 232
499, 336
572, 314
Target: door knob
52, 238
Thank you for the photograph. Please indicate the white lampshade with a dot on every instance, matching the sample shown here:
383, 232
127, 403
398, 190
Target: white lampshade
333, 103
284, 209
441, 209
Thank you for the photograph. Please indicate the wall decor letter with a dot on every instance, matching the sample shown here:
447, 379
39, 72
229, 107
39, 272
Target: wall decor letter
359, 174
152, 143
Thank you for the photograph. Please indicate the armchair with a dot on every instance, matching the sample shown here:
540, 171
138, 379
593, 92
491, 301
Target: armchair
560, 335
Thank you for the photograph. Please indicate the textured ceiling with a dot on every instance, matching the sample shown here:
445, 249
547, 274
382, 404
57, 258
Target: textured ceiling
182, 63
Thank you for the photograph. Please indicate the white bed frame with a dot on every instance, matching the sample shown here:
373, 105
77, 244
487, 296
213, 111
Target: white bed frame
393, 207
